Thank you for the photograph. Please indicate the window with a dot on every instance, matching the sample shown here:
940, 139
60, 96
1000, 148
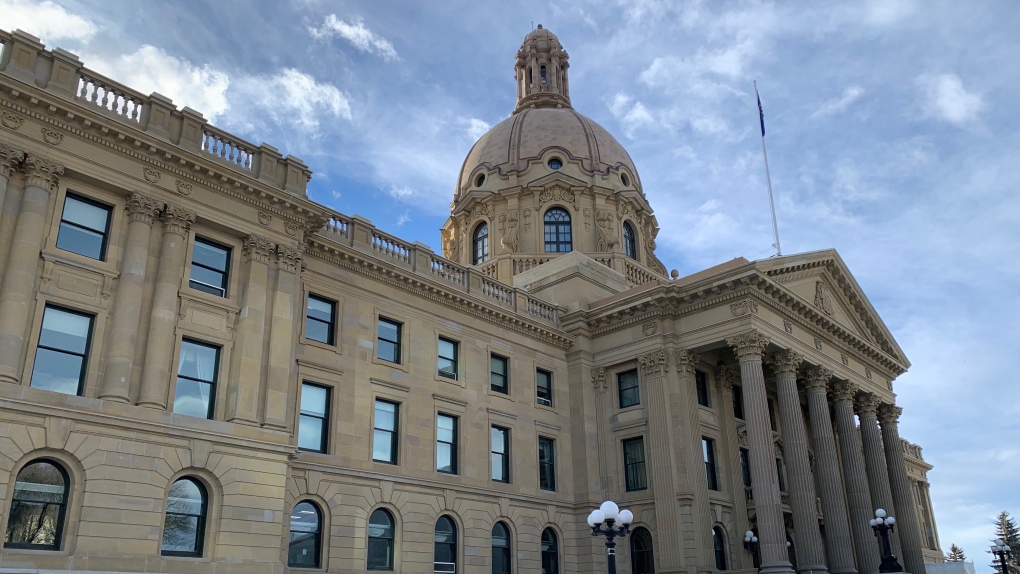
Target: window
445, 546
555, 163
642, 559
313, 427
627, 383
380, 540
772, 414
209, 263
446, 444
745, 466
184, 524
557, 227
779, 474
543, 387
719, 544
61, 359
541, 72
708, 450
480, 180
305, 548
634, 464
196, 379
448, 358
480, 244
701, 382
498, 378
320, 323
84, 227
388, 343
550, 552
36, 518
629, 240
546, 463
384, 437
624, 179
738, 402
500, 549
500, 454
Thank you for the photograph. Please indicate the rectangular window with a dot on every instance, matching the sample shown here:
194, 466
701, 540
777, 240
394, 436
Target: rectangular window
61, 359
196, 379
500, 454
708, 449
772, 414
388, 343
779, 474
446, 444
745, 466
448, 358
384, 436
738, 402
546, 463
630, 395
543, 387
209, 264
634, 464
498, 376
320, 320
701, 382
313, 426
84, 227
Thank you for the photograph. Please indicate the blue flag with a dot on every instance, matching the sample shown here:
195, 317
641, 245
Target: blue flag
761, 114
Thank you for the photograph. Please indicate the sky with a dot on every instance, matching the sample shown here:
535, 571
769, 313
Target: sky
893, 133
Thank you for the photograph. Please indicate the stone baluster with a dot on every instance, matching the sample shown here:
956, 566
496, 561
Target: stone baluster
280, 378
810, 552
10, 198
699, 527
874, 460
10, 160
837, 528
749, 347
159, 347
245, 383
906, 517
856, 478
727, 376
141, 211
17, 295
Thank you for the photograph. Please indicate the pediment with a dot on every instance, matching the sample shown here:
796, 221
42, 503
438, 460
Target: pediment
557, 178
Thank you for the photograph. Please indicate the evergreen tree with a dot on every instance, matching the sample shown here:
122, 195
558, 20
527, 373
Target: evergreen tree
1007, 529
955, 554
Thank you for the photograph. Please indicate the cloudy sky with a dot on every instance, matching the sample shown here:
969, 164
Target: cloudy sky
892, 132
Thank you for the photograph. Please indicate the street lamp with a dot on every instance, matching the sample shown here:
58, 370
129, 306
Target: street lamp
883, 525
608, 514
750, 542
1001, 550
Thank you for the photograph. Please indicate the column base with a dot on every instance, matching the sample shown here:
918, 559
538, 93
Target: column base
815, 569
6, 378
115, 399
783, 567
151, 405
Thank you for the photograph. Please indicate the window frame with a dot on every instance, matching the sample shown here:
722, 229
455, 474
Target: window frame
629, 478
331, 324
213, 385
629, 240
719, 549
780, 478
647, 554
620, 389
504, 456
507, 551
553, 555
105, 233
454, 470
505, 375
455, 360
325, 418
548, 399
549, 466
557, 227
398, 343
318, 535
479, 256
225, 272
454, 544
392, 542
737, 393
394, 432
83, 374
701, 388
745, 466
200, 532
62, 517
711, 464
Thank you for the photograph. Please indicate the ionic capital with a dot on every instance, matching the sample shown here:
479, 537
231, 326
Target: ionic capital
889, 414
654, 362
10, 159
818, 378
255, 248
288, 259
598, 378
868, 403
727, 377
785, 363
686, 362
41, 172
843, 392
142, 208
748, 346
177, 220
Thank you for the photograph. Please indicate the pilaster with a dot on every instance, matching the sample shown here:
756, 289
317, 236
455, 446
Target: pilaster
10, 160
245, 383
605, 438
280, 373
906, 517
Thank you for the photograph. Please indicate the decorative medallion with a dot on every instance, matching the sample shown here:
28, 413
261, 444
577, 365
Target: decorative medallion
150, 174
52, 137
265, 218
745, 307
557, 193
598, 378
12, 121
788, 327
649, 328
290, 228
184, 187
823, 298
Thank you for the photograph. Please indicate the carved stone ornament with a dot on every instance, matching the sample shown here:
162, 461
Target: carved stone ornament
151, 175
11, 121
265, 218
256, 248
605, 230
557, 193
742, 438
527, 221
598, 378
52, 137
686, 362
291, 228
10, 159
142, 208
889, 414
654, 362
748, 346
184, 187
818, 378
818, 343
587, 218
844, 359
727, 376
176, 219
745, 307
867, 373
288, 259
785, 363
868, 403
788, 327
823, 298
41, 172
511, 231
650, 328
843, 392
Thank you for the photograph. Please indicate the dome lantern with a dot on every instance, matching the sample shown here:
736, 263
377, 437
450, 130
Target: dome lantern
541, 72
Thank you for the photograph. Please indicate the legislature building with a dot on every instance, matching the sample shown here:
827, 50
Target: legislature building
204, 371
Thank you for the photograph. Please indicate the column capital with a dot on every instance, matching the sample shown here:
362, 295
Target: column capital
785, 362
255, 248
41, 172
889, 414
654, 362
843, 392
727, 376
868, 403
10, 159
598, 378
748, 346
288, 259
176, 219
142, 208
818, 378
686, 362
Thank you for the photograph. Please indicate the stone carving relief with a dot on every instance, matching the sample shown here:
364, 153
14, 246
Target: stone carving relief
527, 221
10, 158
257, 248
785, 363
889, 414
151, 175
788, 327
650, 328
624, 209
654, 362
748, 346
42, 172
12, 121
265, 218
844, 359
868, 403
288, 259
176, 219
727, 376
818, 378
843, 391
291, 228
686, 362
598, 378
587, 219
184, 187
745, 307
142, 208
448, 237
52, 137
742, 438
557, 193
605, 232
867, 373
818, 343
823, 298
511, 232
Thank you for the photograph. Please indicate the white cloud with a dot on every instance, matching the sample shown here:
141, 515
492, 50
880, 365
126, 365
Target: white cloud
945, 98
475, 128
357, 34
402, 192
840, 104
46, 20
404, 218
293, 98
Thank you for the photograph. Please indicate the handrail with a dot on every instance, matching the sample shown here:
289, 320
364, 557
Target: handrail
228, 148
110, 96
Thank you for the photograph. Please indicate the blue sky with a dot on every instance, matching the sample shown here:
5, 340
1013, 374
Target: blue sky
893, 134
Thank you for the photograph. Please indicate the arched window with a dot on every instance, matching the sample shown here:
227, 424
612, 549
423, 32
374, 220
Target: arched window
550, 552
305, 549
184, 524
557, 231
719, 544
446, 545
500, 549
541, 71
380, 540
36, 519
642, 560
480, 243
629, 241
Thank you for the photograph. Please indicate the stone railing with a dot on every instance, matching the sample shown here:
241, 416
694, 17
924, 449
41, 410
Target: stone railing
637, 275
388, 246
911, 449
228, 148
109, 97
489, 268
448, 271
523, 263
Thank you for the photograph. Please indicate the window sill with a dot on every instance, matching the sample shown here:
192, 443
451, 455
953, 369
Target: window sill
208, 298
383, 362
320, 345
72, 259
549, 408
459, 381
505, 396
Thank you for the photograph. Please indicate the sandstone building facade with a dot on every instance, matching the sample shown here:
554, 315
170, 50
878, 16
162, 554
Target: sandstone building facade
201, 370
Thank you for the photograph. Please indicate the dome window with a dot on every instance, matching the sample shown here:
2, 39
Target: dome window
629, 241
481, 180
480, 244
555, 163
557, 231
542, 73
623, 178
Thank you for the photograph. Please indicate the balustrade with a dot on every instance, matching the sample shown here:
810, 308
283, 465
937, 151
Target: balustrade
498, 291
391, 247
448, 271
522, 264
228, 148
639, 276
109, 96
337, 225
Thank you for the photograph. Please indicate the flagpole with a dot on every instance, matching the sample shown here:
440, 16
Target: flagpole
768, 178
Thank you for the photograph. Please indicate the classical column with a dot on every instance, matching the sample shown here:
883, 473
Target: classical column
10, 199
607, 451
698, 538
838, 545
245, 383
141, 211
279, 383
10, 160
764, 482
17, 293
159, 347
857, 493
874, 460
727, 376
906, 517
810, 553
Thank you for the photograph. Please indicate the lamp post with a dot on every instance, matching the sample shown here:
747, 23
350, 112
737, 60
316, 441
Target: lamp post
883, 525
1001, 550
603, 523
751, 545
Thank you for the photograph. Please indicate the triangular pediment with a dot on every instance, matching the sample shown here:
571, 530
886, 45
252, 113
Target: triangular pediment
557, 178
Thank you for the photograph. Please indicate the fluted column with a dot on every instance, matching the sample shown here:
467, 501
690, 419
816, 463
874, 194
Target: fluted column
17, 293
727, 376
279, 383
159, 347
874, 461
840, 549
856, 478
10, 199
607, 453
906, 517
698, 539
10, 160
245, 382
141, 211
764, 482
810, 553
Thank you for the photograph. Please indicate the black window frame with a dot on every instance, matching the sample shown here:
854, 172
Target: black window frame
543, 392
547, 468
452, 445
330, 325
394, 432
505, 375
105, 233
505, 552
58, 534
701, 386
770, 404
316, 536
324, 418
745, 466
719, 548
84, 356
211, 411
451, 547
550, 552
203, 517
738, 402
562, 232
397, 345
779, 475
389, 542
621, 390
453, 360
225, 272
711, 468
504, 457
480, 243
629, 240
644, 556
634, 479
